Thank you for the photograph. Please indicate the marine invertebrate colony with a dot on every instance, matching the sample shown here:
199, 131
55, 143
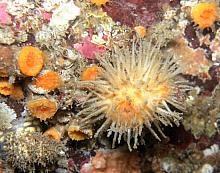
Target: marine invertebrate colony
53, 133
75, 132
90, 73
7, 115
47, 81
30, 60
205, 14
25, 150
6, 88
136, 89
42, 108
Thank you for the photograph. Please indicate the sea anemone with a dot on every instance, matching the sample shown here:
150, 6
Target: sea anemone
6, 88
138, 87
7, 115
204, 14
99, 2
54, 133
30, 60
77, 133
42, 108
47, 81
26, 150
90, 73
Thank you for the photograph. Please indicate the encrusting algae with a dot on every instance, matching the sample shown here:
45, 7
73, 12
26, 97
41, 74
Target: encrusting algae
135, 90
30, 60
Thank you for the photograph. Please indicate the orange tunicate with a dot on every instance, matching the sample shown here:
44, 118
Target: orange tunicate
42, 108
30, 60
99, 2
204, 14
6, 88
90, 73
49, 81
53, 133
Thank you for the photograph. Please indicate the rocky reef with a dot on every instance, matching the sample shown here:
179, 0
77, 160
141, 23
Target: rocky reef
124, 86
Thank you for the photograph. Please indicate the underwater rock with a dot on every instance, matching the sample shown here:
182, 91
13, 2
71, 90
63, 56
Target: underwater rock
76, 89
164, 32
133, 12
7, 36
108, 161
202, 113
6, 61
193, 62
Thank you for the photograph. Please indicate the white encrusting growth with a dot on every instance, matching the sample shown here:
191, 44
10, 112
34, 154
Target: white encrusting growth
7, 115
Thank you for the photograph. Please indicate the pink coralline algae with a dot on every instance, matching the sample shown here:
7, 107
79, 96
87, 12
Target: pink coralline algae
135, 12
46, 15
5, 18
89, 49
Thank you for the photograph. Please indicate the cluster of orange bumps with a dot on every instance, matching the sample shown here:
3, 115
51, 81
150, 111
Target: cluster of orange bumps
30, 63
